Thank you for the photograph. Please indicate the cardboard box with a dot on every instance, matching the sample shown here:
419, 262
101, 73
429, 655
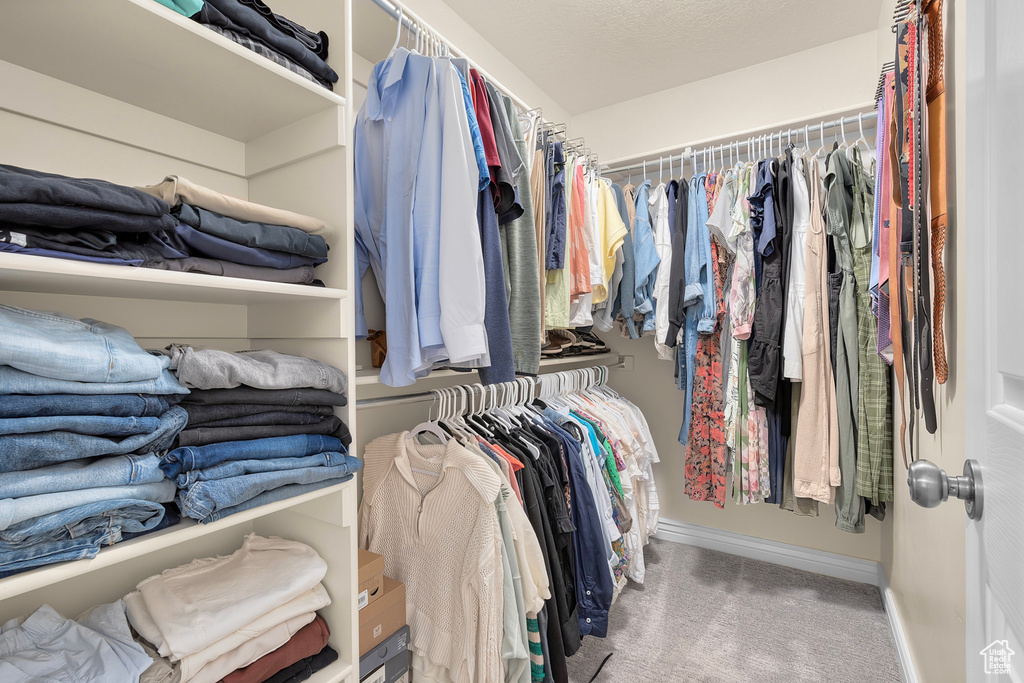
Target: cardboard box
371, 577
379, 620
392, 654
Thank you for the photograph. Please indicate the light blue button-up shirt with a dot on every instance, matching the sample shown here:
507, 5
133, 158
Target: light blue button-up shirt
413, 154
646, 257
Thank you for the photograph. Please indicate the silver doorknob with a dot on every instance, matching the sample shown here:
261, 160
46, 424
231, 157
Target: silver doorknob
930, 485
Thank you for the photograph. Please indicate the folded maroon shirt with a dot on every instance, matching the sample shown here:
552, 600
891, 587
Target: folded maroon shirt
308, 641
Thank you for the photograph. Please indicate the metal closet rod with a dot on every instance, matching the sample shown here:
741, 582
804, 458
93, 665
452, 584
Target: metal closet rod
684, 152
414, 23
421, 396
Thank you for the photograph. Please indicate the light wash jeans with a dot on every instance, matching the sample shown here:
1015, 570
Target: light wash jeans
237, 468
59, 347
93, 425
117, 470
214, 369
272, 496
204, 498
14, 381
15, 510
200, 457
26, 451
118, 405
128, 515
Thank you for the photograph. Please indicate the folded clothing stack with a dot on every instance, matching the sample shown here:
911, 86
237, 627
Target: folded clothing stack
219, 234
46, 214
82, 219
95, 648
253, 25
85, 415
245, 617
261, 429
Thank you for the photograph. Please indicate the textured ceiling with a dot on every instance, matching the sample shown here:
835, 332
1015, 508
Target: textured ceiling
588, 54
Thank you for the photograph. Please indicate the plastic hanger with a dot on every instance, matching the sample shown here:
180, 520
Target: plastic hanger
862, 138
842, 129
398, 34
430, 427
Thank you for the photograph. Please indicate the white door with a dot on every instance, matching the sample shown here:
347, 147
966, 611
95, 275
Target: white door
994, 376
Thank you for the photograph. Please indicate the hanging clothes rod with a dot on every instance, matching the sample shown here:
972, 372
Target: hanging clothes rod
741, 144
421, 396
415, 24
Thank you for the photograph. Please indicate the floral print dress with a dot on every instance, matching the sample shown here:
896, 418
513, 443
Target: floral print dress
705, 468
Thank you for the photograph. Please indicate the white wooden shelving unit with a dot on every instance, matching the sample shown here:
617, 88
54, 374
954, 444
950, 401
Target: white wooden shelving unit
130, 91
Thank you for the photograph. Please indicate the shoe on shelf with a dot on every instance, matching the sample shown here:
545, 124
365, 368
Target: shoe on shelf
558, 341
591, 343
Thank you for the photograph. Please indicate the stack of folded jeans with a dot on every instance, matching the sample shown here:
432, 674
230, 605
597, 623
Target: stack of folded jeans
261, 429
207, 619
45, 214
253, 25
85, 416
218, 234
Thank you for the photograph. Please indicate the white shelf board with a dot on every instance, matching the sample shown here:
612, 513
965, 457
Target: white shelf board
336, 672
143, 545
142, 53
372, 375
46, 275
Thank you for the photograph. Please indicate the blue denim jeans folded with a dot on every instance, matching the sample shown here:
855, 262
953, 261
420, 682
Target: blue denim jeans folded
26, 451
237, 468
59, 347
85, 539
200, 457
127, 514
16, 510
275, 397
204, 435
199, 368
260, 235
272, 496
187, 240
117, 405
51, 552
203, 498
80, 424
117, 470
14, 381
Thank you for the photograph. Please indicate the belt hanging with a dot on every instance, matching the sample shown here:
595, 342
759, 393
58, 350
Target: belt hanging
922, 288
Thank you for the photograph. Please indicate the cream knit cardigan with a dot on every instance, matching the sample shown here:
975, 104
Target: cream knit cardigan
440, 536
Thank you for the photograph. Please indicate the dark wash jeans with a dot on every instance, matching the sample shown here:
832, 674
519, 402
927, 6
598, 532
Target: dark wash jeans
267, 397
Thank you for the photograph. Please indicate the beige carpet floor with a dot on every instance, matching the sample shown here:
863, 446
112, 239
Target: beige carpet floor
708, 617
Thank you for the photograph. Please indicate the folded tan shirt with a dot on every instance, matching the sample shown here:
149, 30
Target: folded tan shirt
175, 189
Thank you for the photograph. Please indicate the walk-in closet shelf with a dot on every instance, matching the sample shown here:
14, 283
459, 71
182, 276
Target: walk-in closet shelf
140, 52
21, 273
130, 91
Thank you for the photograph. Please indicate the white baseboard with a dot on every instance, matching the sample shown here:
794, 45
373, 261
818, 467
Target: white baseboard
797, 557
896, 627
817, 561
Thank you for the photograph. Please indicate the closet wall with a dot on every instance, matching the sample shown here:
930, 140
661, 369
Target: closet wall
838, 77
834, 78
924, 558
